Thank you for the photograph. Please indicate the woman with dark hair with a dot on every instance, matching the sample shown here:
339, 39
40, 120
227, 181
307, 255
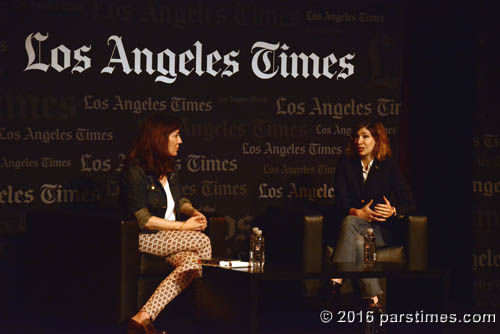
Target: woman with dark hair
150, 192
370, 192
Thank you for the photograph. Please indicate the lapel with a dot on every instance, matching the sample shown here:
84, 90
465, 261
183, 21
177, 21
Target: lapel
358, 175
372, 175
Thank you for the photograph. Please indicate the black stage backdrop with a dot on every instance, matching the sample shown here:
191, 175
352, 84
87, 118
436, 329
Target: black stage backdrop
266, 94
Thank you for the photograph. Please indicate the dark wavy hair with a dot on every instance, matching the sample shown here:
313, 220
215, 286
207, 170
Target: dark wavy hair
150, 149
382, 149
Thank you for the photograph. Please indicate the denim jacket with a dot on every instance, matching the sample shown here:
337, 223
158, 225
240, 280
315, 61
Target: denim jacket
142, 195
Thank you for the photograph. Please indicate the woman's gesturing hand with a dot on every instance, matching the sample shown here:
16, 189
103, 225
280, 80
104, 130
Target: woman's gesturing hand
195, 223
368, 214
385, 210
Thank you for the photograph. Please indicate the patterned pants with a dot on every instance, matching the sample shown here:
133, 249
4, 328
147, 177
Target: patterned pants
182, 250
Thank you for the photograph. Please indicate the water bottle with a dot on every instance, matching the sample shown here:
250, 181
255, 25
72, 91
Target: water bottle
259, 254
256, 252
370, 252
251, 248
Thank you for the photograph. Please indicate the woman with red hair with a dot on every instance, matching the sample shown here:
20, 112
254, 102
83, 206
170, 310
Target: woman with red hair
150, 192
370, 192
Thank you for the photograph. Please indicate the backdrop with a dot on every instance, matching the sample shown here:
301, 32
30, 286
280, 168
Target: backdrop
266, 94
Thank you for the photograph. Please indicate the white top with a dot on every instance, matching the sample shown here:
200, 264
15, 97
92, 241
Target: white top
169, 214
365, 172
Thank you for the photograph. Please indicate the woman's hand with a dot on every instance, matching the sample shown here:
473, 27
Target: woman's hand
197, 213
385, 210
188, 210
368, 214
195, 223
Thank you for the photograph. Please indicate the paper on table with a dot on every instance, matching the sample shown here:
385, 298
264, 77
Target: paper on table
234, 264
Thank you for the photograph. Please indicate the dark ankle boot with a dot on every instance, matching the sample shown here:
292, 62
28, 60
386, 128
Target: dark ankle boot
377, 307
328, 294
328, 288
335, 287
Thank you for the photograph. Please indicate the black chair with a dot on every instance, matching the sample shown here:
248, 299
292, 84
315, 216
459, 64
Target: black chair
411, 245
318, 248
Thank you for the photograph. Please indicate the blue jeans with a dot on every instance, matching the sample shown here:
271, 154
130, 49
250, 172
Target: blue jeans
350, 248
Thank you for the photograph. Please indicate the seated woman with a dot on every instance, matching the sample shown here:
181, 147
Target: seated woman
150, 192
370, 191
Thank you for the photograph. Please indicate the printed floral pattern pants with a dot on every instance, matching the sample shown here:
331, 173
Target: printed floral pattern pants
182, 250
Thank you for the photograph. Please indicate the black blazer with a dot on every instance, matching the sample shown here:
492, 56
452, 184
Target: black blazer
384, 179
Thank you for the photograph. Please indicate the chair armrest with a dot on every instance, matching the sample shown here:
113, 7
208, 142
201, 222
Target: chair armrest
417, 242
129, 269
217, 234
312, 254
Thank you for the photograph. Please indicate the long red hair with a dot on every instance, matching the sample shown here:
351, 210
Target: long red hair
150, 149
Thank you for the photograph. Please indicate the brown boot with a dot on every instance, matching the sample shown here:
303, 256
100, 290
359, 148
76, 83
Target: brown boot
146, 327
